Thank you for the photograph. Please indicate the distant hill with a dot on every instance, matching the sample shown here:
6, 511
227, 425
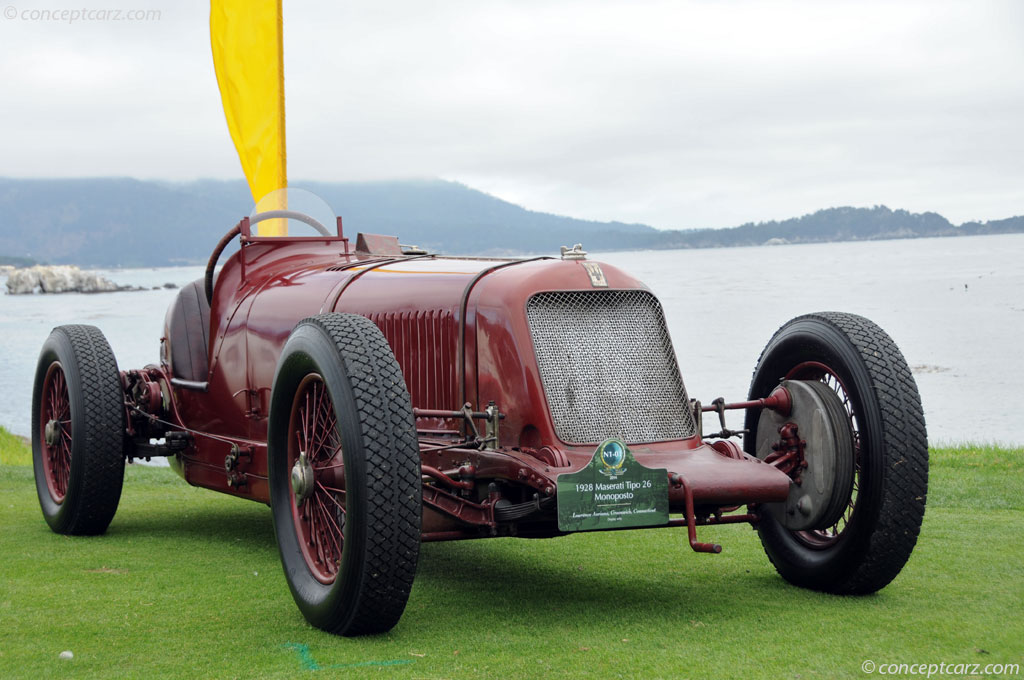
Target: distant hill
837, 224
6, 261
125, 222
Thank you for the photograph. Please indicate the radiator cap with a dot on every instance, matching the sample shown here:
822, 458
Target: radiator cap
575, 253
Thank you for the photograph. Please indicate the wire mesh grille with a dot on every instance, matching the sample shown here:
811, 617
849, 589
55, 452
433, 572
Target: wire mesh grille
608, 367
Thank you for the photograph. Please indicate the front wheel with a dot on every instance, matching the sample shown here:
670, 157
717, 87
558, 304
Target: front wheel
344, 473
78, 431
870, 542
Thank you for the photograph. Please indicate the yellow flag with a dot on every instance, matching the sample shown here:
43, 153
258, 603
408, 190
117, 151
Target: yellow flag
248, 56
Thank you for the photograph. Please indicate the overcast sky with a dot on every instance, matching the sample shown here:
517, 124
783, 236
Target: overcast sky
676, 114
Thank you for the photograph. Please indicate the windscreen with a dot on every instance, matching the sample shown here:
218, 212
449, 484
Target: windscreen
315, 218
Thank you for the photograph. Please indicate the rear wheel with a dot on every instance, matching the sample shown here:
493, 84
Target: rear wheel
344, 472
78, 431
871, 540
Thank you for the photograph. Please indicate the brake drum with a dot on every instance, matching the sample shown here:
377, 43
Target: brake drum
823, 492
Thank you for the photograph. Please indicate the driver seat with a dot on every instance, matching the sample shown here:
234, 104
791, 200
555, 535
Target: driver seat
188, 333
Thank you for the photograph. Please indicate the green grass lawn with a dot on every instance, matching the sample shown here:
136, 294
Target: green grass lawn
187, 583
14, 450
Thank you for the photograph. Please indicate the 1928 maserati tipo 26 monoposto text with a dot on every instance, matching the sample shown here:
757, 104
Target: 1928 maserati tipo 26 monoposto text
376, 396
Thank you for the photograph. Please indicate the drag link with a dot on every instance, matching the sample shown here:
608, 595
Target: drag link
779, 401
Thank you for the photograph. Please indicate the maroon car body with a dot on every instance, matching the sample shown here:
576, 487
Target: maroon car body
516, 372
459, 330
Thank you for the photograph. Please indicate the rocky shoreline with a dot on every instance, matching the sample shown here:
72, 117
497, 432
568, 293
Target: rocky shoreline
54, 279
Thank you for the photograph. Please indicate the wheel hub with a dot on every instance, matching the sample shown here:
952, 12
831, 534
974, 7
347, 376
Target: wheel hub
302, 479
814, 446
52, 432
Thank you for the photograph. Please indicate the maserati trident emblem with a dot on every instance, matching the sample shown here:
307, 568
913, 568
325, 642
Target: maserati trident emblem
597, 279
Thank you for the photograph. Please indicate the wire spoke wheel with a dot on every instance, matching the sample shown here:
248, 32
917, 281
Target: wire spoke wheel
55, 421
873, 536
343, 467
318, 486
78, 431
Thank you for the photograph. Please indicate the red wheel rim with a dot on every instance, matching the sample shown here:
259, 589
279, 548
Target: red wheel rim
55, 432
814, 370
318, 505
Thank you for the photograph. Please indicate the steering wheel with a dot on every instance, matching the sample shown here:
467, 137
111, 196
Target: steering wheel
211, 265
291, 215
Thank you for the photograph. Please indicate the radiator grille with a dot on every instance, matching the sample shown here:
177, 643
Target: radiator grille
608, 367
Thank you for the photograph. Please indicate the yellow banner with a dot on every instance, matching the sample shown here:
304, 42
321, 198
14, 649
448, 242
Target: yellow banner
248, 56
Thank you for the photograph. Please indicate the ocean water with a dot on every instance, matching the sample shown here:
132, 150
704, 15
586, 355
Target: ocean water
955, 307
132, 321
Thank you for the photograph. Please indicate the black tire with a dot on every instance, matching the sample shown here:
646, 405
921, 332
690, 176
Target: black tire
77, 397
341, 365
873, 541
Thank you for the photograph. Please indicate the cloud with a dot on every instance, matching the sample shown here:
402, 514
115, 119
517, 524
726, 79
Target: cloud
679, 114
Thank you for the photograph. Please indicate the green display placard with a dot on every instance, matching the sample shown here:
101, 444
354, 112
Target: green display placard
611, 492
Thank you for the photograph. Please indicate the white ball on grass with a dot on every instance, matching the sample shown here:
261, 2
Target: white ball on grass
66, 654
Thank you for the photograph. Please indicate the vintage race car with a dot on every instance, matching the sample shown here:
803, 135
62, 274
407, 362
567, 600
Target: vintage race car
377, 396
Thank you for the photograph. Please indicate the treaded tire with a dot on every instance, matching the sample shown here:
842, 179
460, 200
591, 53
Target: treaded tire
365, 590
80, 471
855, 357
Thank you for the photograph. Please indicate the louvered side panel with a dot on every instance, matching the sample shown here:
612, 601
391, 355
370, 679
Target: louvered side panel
424, 344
